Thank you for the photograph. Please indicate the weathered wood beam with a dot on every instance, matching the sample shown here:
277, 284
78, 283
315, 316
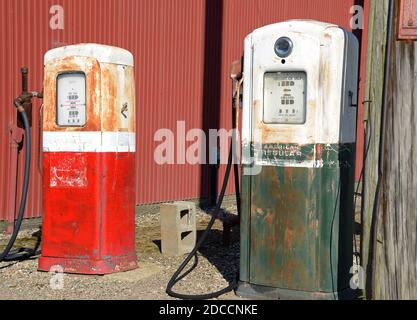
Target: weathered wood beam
392, 254
377, 34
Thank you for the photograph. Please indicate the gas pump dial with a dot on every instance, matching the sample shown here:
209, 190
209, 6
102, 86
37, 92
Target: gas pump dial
71, 104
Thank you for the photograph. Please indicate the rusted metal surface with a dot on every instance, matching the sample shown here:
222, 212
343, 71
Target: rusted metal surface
119, 96
407, 20
297, 216
92, 69
88, 185
168, 41
294, 212
236, 70
27, 99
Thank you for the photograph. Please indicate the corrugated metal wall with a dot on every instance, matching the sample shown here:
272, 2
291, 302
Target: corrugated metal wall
182, 50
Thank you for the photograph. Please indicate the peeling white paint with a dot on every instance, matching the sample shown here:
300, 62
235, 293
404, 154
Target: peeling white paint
103, 53
69, 172
329, 57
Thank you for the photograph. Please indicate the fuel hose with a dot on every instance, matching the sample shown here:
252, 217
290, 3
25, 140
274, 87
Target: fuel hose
5, 255
194, 253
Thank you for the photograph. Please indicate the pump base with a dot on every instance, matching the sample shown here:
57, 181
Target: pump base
256, 292
89, 267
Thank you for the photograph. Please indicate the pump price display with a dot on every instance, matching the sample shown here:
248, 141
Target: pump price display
285, 97
71, 106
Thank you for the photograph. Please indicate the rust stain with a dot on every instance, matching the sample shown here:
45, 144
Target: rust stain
118, 86
269, 217
130, 89
109, 96
289, 237
328, 36
269, 133
109, 87
91, 68
288, 172
259, 211
319, 152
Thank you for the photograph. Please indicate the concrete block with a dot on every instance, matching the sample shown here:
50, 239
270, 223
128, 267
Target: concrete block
178, 228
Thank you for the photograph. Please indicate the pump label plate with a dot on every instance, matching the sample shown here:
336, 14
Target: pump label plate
301, 156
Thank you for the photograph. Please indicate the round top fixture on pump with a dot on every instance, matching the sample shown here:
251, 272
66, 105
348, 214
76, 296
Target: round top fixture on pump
283, 47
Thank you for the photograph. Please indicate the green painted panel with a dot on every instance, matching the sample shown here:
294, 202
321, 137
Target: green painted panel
297, 222
245, 229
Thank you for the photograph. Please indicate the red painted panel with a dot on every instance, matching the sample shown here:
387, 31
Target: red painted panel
72, 212
118, 216
88, 224
182, 51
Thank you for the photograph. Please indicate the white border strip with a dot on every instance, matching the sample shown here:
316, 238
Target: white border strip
87, 141
312, 164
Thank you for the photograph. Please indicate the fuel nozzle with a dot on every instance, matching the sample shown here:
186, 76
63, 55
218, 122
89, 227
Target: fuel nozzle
236, 70
236, 74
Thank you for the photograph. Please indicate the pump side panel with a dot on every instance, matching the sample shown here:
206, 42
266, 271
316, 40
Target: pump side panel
118, 194
118, 206
295, 215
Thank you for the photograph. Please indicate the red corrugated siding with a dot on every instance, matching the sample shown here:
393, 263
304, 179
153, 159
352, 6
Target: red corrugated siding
182, 69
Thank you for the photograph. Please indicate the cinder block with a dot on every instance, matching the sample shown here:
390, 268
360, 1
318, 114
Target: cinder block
178, 228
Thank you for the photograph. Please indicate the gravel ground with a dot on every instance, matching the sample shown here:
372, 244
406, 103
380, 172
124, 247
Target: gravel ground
217, 265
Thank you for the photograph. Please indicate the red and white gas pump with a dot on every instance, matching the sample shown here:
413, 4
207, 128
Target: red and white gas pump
88, 160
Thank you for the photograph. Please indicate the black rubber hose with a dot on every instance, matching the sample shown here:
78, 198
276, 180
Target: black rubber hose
18, 224
194, 253
236, 104
176, 277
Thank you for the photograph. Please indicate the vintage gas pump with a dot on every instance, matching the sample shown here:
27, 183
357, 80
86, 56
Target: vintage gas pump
88, 160
298, 136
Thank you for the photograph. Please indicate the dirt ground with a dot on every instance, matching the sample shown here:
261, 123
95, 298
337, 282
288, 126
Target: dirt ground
218, 264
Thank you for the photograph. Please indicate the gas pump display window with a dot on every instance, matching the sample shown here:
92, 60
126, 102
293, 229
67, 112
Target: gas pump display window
285, 97
71, 102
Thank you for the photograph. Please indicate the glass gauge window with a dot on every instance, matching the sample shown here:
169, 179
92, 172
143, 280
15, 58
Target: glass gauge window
71, 100
285, 97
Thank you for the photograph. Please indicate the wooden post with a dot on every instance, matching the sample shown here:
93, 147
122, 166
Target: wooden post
377, 34
389, 254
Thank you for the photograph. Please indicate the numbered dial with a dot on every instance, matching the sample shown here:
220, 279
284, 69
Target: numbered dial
285, 97
71, 105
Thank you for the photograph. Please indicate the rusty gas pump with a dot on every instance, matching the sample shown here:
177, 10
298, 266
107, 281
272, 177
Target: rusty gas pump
88, 156
298, 141
88, 160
